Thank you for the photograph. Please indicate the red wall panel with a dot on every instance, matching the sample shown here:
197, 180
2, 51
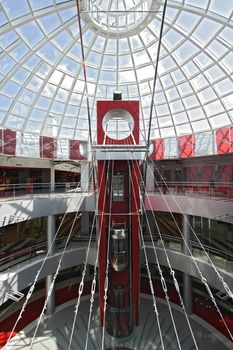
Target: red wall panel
105, 106
1, 140
9, 141
74, 147
231, 139
158, 150
47, 147
223, 140
187, 146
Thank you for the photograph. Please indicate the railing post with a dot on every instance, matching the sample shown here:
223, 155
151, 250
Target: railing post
85, 176
150, 177
52, 178
187, 279
51, 251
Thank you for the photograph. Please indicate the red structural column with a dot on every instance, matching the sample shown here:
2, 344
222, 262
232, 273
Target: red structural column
135, 208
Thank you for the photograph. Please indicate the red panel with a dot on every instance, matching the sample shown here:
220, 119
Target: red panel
159, 149
187, 146
225, 172
207, 174
105, 106
223, 140
74, 147
191, 174
152, 155
47, 147
231, 138
9, 139
1, 140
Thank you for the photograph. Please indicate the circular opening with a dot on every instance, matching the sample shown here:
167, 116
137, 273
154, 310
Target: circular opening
118, 15
118, 124
83, 149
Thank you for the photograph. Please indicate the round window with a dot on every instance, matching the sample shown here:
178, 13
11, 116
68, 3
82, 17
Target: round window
118, 124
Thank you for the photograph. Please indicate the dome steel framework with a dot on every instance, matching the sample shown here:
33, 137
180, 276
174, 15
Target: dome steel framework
42, 88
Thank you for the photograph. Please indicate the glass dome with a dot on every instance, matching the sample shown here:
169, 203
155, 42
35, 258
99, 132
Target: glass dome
42, 88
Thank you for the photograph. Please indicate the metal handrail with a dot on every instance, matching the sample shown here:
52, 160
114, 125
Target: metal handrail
193, 244
209, 189
22, 189
33, 250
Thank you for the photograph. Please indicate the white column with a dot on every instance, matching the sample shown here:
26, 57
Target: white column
187, 279
150, 178
52, 249
52, 178
85, 176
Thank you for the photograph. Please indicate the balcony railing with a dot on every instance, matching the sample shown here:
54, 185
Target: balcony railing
10, 259
220, 258
204, 189
22, 189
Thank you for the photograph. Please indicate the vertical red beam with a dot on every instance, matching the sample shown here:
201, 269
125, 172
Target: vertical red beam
102, 220
135, 207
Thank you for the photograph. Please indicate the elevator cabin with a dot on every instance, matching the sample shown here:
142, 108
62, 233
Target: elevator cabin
118, 153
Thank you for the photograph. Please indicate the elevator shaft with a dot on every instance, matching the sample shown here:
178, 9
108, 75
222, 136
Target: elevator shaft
119, 244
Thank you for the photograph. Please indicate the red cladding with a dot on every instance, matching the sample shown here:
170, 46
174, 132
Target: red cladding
231, 137
47, 147
8, 138
105, 106
1, 140
74, 147
223, 140
187, 146
158, 152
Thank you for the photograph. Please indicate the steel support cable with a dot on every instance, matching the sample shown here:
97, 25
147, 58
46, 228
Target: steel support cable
93, 286
106, 282
203, 279
154, 82
54, 277
164, 286
84, 69
53, 281
156, 69
86, 85
149, 276
32, 287
172, 272
225, 285
152, 289
81, 285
